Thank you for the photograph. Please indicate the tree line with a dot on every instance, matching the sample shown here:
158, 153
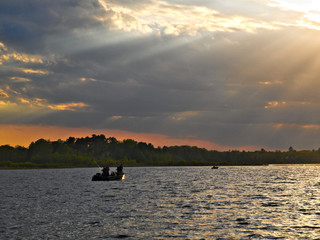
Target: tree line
98, 150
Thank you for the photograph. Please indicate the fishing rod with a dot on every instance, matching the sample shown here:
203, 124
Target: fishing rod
98, 164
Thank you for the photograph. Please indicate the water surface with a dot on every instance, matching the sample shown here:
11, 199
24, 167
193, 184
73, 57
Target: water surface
265, 202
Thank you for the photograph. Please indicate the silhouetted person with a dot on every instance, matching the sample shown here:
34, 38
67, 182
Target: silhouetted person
105, 171
119, 169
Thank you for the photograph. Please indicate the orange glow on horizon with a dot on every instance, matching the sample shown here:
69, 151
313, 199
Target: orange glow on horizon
23, 135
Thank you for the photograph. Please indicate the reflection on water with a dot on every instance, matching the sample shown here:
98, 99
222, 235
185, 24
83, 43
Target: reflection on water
265, 202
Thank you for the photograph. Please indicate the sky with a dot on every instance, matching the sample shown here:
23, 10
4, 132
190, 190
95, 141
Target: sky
224, 75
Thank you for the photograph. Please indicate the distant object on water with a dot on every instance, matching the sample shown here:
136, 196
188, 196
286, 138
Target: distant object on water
112, 177
215, 167
105, 176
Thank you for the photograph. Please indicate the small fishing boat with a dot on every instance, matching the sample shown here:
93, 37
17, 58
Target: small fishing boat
112, 177
215, 167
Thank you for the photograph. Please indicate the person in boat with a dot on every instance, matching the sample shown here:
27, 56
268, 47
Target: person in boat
120, 169
105, 171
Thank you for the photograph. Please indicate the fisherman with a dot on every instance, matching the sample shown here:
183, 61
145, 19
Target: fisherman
105, 171
119, 169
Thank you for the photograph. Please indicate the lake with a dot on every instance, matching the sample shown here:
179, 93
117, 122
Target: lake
247, 202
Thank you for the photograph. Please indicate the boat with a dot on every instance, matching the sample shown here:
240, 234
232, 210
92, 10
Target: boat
215, 167
112, 177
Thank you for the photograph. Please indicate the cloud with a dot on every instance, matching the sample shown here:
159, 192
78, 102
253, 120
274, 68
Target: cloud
177, 18
8, 56
274, 104
3, 94
67, 106
20, 79
12, 102
30, 71
241, 74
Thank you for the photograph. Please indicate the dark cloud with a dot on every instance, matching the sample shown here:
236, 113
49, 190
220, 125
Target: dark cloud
27, 25
136, 4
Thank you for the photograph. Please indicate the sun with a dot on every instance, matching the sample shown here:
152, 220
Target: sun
300, 6
313, 16
310, 10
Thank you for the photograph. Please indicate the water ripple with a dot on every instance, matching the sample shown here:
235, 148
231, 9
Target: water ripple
267, 202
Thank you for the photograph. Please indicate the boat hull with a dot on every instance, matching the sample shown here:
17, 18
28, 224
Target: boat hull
101, 177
